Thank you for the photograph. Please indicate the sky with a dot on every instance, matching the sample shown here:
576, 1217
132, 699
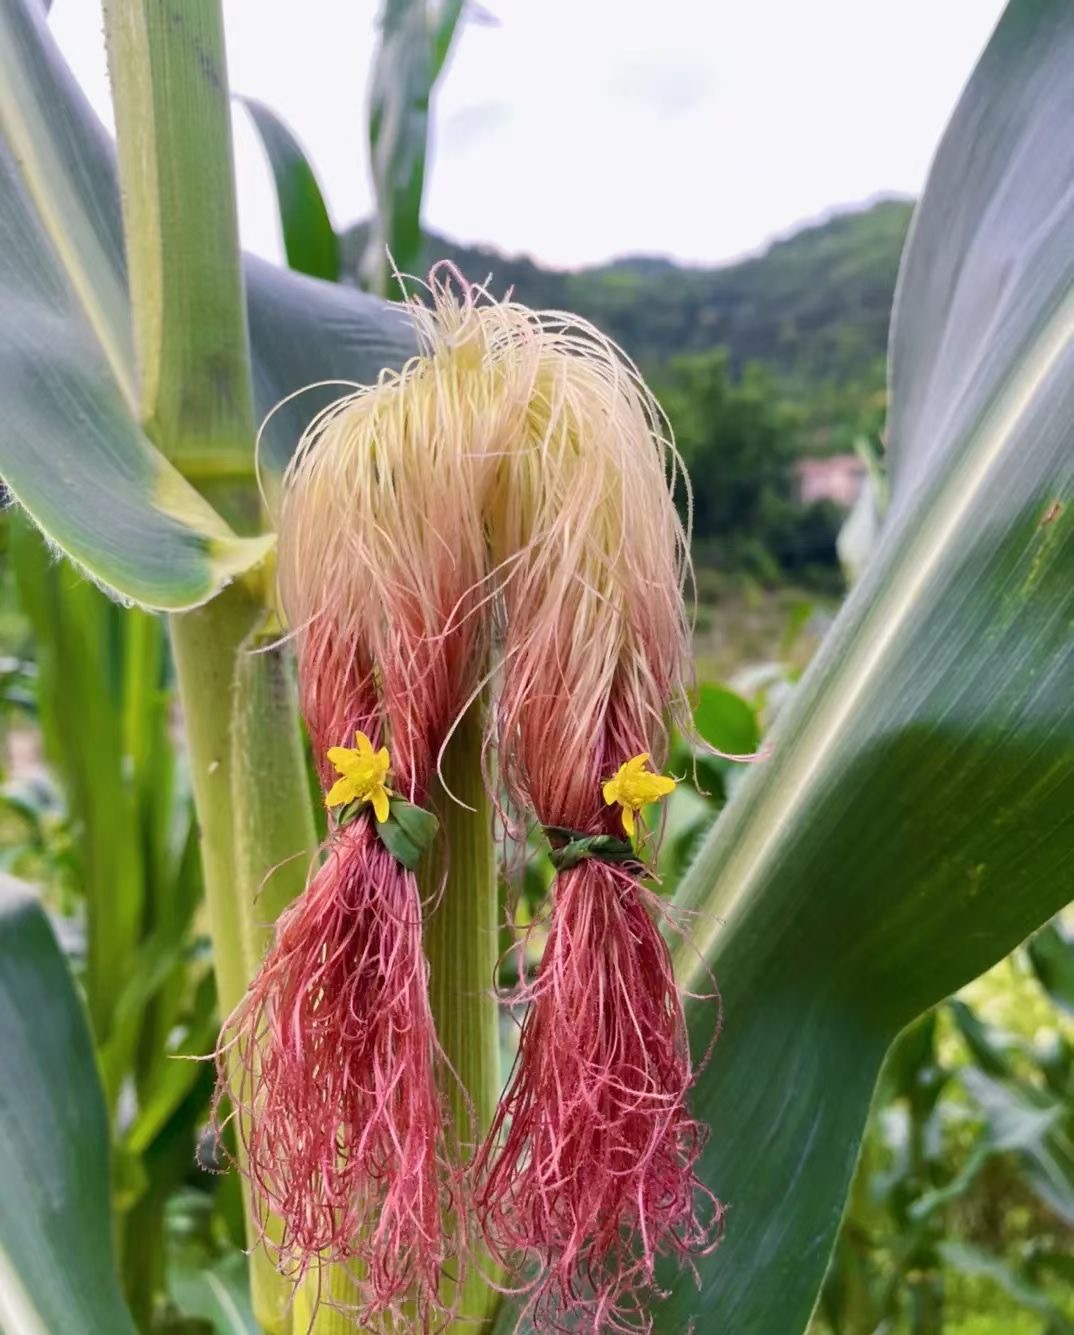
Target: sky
578, 130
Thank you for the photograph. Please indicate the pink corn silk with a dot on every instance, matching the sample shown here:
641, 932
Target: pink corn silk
595, 1174
335, 1053
587, 1174
332, 1057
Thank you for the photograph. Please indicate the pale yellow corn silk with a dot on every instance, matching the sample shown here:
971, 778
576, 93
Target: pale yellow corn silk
524, 446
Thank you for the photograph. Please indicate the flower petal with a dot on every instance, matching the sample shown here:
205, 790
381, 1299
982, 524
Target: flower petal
628, 821
344, 759
636, 763
611, 792
365, 746
663, 784
381, 808
382, 758
341, 791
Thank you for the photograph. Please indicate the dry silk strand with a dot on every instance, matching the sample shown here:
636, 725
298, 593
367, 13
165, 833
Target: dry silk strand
331, 1060
509, 488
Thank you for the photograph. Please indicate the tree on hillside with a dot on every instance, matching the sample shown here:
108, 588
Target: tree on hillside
739, 440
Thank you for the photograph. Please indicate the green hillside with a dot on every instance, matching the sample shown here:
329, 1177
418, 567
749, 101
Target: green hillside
756, 364
813, 309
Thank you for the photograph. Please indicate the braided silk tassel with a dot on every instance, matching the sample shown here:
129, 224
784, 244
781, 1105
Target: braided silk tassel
587, 1176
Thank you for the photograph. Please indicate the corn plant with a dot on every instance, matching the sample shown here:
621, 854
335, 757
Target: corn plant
132, 855
909, 824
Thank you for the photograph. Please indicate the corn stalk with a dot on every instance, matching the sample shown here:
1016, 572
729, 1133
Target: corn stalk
169, 81
172, 115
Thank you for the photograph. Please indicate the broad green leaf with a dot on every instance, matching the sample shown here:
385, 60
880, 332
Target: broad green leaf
726, 721
915, 818
911, 1061
70, 449
304, 332
57, 1267
308, 235
65, 173
71, 452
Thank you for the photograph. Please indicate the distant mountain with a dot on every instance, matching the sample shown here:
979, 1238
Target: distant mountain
813, 308
815, 304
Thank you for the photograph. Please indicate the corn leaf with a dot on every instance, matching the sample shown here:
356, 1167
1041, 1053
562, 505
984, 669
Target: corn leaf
415, 37
218, 1295
71, 449
63, 169
1051, 953
308, 235
57, 1267
915, 819
304, 332
80, 707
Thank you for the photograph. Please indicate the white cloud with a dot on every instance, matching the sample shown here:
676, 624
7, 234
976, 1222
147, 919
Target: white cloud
665, 87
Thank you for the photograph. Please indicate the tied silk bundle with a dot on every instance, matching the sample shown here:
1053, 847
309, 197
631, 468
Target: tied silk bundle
331, 1061
587, 1175
515, 477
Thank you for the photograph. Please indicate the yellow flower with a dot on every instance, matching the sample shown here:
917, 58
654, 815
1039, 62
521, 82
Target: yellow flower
634, 787
362, 773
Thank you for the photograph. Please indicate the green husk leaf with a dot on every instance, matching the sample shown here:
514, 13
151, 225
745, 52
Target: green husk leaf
408, 831
603, 847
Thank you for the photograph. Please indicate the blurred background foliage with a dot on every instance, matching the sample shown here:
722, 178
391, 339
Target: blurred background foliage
961, 1217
